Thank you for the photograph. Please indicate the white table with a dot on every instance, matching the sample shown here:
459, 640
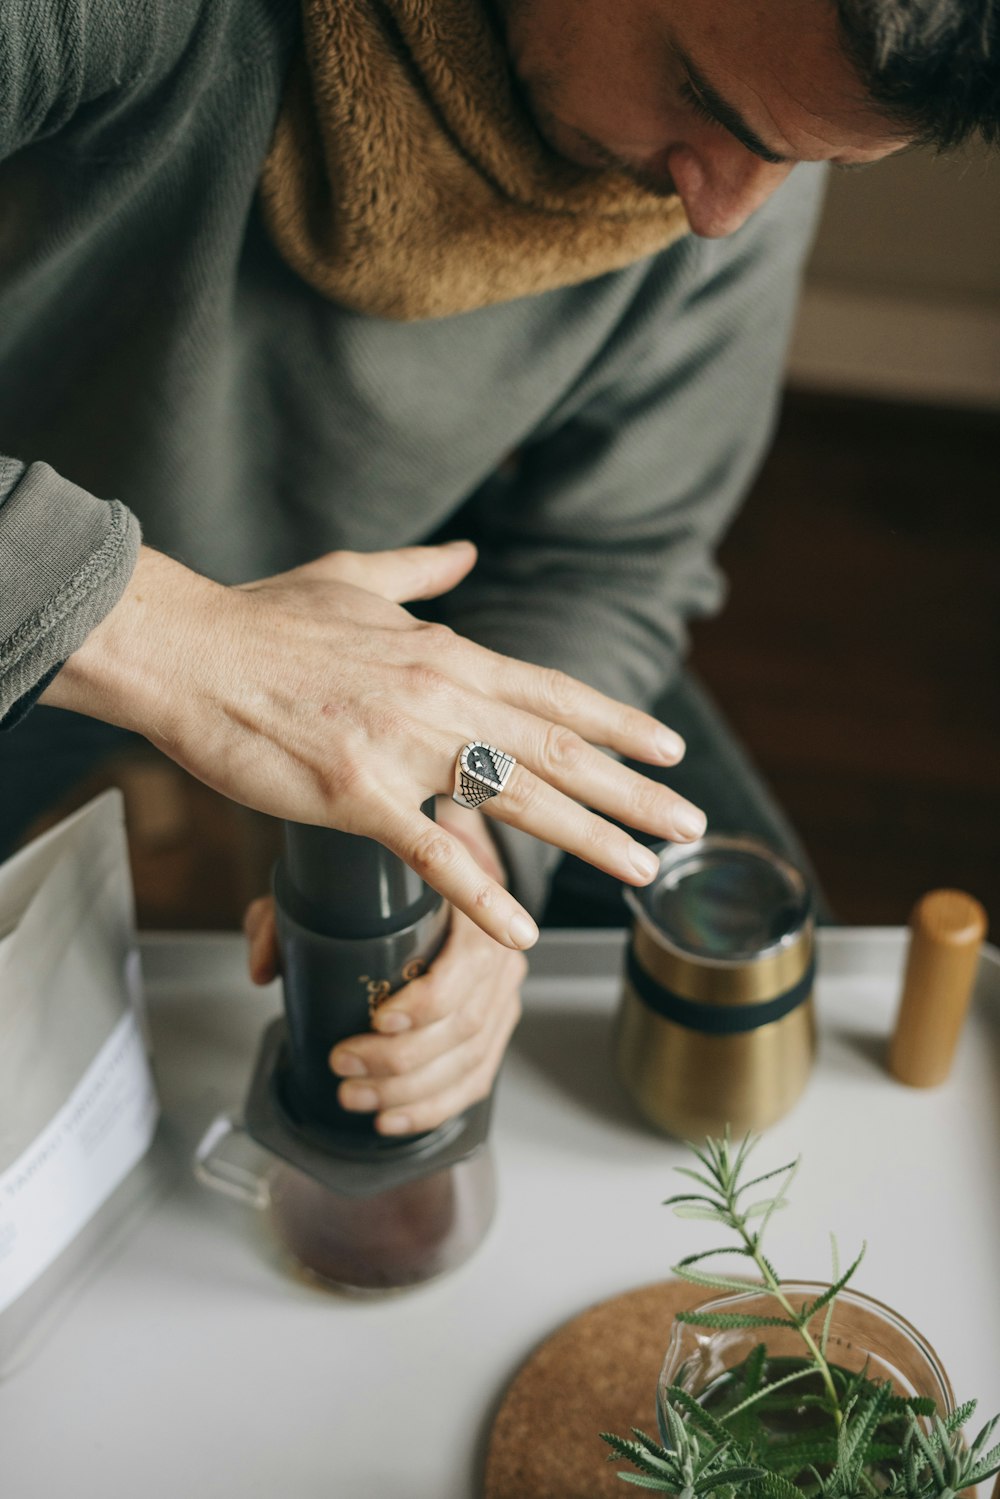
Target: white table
191, 1367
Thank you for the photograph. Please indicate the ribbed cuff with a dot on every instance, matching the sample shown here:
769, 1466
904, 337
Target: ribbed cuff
65, 560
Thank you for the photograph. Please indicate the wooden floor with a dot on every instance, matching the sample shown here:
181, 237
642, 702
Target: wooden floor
858, 658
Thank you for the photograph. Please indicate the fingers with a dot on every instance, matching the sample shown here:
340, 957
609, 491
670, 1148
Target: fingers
528, 802
471, 1074
559, 774
531, 802
430, 1087
459, 1020
466, 974
261, 932
449, 867
560, 699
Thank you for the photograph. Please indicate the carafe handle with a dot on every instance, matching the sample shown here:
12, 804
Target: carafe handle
224, 1161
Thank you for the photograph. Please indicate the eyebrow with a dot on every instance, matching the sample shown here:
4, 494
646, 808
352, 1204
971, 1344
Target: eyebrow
727, 115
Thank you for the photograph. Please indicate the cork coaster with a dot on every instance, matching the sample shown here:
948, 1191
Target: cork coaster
596, 1373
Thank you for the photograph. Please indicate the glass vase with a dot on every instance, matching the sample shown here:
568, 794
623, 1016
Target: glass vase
864, 1335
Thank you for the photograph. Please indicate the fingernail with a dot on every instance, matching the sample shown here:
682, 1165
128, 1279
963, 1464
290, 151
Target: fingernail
670, 744
522, 930
392, 1022
347, 1064
689, 822
644, 861
395, 1124
360, 1098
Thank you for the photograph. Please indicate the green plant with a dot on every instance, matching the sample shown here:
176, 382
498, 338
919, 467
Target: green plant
858, 1438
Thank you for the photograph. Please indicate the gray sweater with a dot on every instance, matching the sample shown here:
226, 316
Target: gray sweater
160, 365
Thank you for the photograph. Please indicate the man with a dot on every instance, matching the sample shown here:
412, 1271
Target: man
303, 294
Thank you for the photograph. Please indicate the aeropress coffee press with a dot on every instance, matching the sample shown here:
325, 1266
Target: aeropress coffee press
354, 1209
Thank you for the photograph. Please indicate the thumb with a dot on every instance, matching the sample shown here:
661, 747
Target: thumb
405, 573
261, 932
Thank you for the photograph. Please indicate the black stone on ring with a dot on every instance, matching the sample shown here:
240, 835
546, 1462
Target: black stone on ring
481, 771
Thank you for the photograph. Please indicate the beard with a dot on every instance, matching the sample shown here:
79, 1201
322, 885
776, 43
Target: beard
577, 147
539, 93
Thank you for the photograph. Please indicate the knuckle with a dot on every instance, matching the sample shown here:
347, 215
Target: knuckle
521, 791
397, 1059
468, 1023
380, 719
560, 692
645, 798
437, 639
426, 1005
595, 837
426, 681
343, 780
432, 853
484, 899
562, 748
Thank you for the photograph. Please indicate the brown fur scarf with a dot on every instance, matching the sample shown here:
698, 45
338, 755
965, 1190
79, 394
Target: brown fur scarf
407, 181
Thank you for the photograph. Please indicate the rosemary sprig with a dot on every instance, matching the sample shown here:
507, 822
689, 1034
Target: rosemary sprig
880, 1444
719, 1202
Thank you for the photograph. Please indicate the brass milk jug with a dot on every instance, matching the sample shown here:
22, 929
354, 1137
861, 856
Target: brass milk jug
716, 1025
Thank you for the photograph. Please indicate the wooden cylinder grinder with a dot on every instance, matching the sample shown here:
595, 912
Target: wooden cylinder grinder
947, 928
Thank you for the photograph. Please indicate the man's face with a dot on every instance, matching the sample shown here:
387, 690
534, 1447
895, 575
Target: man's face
713, 99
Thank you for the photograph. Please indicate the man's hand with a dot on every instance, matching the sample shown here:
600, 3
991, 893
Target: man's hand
437, 1043
314, 696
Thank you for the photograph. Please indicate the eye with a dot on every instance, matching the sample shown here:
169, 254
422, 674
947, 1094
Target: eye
695, 102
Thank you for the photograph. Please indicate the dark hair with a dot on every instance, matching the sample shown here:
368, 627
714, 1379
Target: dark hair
931, 66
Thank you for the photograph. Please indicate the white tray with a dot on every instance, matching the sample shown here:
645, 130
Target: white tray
191, 1367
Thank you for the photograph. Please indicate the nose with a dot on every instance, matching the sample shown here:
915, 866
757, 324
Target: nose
721, 184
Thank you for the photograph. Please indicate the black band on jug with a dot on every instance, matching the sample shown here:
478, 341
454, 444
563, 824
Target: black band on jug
715, 1020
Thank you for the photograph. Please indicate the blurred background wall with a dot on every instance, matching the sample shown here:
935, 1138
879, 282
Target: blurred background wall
859, 654
903, 294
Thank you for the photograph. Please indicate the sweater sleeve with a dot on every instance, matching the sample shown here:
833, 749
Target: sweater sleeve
58, 55
65, 60
65, 555
597, 543
65, 559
